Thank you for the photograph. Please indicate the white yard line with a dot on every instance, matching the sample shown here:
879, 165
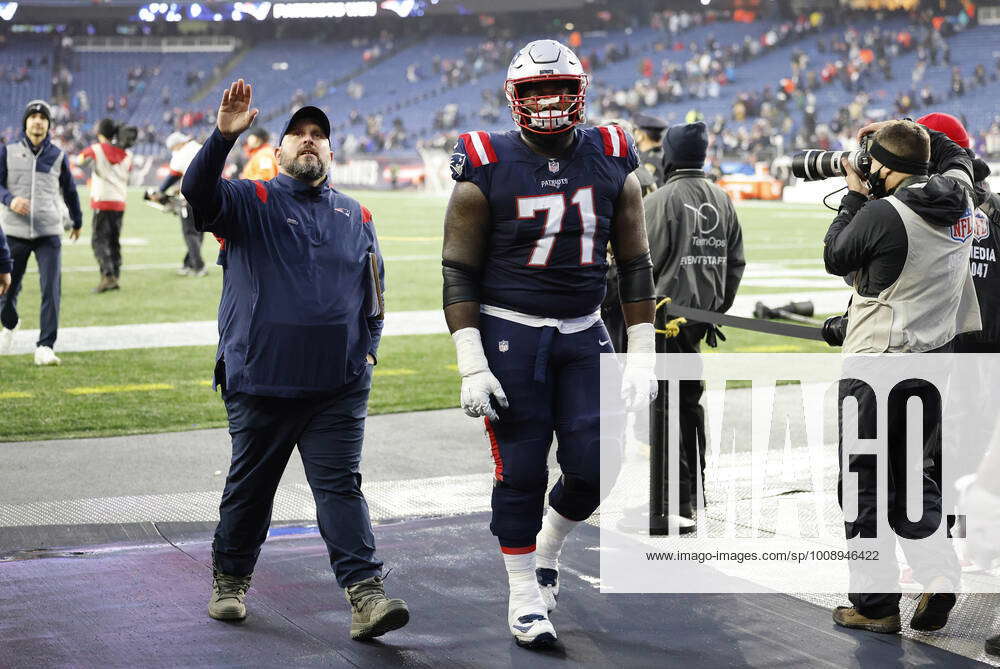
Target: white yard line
399, 323
33, 269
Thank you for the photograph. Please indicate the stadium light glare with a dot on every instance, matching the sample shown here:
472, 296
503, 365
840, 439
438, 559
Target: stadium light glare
706, 2
194, 11
258, 10
402, 8
323, 10
7, 10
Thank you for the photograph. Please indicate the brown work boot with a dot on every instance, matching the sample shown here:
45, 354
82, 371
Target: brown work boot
107, 283
372, 613
932, 611
848, 616
228, 593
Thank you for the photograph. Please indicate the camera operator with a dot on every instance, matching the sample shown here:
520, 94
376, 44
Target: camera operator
905, 236
112, 161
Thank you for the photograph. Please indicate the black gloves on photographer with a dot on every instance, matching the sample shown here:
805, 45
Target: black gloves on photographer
835, 330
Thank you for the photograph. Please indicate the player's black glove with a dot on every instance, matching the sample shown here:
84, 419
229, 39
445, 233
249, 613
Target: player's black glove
834, 330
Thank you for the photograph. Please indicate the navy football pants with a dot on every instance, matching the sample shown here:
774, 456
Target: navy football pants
329, 432
552, 382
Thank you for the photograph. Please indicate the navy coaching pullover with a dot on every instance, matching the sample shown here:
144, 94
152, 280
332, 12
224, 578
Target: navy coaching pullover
294, 317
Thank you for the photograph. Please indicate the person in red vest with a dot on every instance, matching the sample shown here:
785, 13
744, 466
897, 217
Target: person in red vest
111, 163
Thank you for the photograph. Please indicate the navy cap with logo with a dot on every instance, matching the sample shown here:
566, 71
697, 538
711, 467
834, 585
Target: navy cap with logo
308, 112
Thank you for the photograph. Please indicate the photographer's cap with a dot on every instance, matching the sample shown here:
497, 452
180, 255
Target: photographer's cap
947, 124
308, 112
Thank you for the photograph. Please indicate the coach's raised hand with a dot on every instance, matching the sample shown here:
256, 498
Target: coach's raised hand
235, 114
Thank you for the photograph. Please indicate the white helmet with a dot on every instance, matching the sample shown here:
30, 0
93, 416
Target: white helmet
548, 114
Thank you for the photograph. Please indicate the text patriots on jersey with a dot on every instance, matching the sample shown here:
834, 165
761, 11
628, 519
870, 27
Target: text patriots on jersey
555, 183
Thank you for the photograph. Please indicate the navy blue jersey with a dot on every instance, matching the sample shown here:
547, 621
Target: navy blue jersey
550, 218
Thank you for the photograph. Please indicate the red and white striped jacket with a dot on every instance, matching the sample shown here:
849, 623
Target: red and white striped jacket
109, 181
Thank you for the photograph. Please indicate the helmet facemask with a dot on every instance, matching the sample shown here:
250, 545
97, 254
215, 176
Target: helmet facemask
547, 104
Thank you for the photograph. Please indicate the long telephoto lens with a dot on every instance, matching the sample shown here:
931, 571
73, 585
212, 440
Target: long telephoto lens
814, 164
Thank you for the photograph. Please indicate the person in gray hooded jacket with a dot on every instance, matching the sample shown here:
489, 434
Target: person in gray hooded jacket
34, 176
696, 244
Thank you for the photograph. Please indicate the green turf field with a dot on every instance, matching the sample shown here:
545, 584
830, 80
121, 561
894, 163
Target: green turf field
152, 390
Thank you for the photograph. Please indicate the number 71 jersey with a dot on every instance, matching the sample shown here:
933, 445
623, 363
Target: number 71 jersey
550, 218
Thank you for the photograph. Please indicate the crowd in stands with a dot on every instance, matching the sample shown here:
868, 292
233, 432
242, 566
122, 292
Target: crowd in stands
674, 74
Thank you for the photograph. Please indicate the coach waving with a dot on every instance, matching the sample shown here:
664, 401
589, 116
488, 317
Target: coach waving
299, 324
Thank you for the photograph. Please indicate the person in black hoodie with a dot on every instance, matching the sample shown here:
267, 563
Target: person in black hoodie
904, 239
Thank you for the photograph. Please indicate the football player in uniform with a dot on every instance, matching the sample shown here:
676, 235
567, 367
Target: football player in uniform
524, 266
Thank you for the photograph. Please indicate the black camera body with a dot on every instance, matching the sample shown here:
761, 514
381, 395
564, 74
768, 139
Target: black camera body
125, 136
815, 164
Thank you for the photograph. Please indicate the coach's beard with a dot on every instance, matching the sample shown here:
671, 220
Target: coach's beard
305, 167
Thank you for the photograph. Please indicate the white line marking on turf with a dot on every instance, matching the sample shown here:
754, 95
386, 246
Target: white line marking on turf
397, 323
172, 265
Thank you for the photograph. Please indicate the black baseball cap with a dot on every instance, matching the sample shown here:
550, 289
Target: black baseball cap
649, 122
308, 112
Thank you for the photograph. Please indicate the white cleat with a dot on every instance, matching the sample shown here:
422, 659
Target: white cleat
44, 356
548, 585
6, 340
531, 628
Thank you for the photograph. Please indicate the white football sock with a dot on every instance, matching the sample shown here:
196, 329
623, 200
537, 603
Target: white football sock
523, 586
555, 529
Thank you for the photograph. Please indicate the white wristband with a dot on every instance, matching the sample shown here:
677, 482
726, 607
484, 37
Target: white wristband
469, 351
641, 338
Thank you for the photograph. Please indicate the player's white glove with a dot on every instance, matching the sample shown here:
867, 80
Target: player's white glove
639, 386
478, 382
982, 512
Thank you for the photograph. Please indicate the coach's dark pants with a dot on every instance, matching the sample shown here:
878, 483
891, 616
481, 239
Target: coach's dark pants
48, 255
105, 239
691, 461
553, 384
933, 559
329, 432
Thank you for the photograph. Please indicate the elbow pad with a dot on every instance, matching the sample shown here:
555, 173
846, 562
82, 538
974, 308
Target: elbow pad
635, 279
461, 282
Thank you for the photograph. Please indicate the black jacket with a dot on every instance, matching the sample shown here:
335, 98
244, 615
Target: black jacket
868, 237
